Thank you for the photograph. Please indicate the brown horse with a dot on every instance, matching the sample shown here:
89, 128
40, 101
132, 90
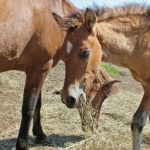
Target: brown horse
83, 73
28, 34
122, 35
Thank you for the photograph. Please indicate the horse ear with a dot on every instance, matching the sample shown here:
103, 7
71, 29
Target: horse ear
59, 20
90, 18
112, 87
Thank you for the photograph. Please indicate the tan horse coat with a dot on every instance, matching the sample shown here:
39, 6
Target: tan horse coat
123, 36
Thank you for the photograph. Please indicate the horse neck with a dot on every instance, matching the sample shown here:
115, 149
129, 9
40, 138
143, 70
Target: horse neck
118, 38
50, 34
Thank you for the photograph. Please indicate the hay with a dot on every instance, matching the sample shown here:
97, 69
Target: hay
85, 109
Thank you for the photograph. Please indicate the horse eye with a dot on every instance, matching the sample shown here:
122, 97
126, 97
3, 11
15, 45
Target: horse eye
85, 53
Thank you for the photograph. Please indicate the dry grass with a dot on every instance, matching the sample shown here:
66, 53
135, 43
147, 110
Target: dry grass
63, 125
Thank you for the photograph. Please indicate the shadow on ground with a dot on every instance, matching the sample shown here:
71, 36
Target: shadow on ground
55, 141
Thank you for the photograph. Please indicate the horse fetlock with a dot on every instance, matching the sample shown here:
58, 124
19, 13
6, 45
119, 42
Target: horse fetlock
22, 144
42, 139
139, 121
37, 131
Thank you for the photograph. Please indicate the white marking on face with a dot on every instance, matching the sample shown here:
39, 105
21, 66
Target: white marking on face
75, 91
69, 47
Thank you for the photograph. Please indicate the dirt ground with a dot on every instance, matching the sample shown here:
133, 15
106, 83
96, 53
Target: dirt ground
63, 125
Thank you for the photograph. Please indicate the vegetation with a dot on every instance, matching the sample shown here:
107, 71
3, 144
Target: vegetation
113, 71
62, 125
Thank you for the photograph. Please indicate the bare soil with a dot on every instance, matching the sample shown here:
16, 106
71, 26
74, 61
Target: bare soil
62, 125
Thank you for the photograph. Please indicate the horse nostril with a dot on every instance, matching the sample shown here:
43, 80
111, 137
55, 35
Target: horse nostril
71, 102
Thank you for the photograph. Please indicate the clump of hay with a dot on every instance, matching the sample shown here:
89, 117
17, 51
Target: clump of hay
85, 109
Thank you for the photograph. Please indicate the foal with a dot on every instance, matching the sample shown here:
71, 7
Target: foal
122, 36
83, 74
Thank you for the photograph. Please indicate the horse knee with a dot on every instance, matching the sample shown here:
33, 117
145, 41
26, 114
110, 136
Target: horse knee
39, 103
27, 110
138, 121
28, 106
28, 114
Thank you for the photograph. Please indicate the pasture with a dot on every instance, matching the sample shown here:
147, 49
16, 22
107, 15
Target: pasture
62, 125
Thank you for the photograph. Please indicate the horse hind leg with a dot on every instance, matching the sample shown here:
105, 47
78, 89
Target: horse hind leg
40, 137
139, 120
34, 82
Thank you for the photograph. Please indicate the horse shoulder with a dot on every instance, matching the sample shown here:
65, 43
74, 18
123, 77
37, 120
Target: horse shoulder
17, 28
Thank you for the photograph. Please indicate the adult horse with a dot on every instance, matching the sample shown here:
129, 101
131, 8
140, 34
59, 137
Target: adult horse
123, 36
28, 43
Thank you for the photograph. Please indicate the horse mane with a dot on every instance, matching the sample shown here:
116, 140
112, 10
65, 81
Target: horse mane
70, 4
65, 5
130, 9
104, 13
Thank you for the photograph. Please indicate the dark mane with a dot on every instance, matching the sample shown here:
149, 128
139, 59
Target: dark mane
132, 9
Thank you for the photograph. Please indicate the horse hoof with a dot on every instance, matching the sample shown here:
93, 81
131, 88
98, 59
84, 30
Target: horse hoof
42, 140
19, 148
21, 144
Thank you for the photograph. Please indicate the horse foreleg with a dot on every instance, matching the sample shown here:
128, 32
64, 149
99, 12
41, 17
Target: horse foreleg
37, 128
34, 82
139, 120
